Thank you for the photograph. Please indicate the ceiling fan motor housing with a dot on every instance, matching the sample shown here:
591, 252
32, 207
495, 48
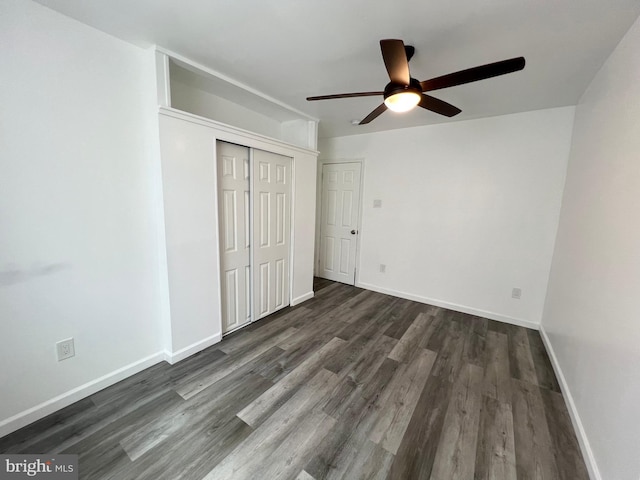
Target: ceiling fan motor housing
395, 88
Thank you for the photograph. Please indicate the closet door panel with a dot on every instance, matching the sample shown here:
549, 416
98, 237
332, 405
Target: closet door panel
233, 188
272, 235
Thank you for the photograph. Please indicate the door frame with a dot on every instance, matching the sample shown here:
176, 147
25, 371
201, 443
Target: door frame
321, 163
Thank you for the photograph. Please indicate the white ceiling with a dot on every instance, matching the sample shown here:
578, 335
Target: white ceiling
291, 49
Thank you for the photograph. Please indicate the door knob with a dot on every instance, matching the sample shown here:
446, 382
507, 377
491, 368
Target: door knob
353, 232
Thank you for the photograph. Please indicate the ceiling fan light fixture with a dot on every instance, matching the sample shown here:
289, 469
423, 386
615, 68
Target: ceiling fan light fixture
402, 98
402, 101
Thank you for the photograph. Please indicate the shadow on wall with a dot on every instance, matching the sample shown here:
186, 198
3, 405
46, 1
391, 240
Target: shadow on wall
11, 274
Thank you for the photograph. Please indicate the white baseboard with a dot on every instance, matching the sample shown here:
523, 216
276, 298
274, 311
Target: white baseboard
452, 306
175, 357
302, 298
32, 414
585, 447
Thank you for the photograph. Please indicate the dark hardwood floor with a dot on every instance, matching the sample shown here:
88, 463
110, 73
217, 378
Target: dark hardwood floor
351, 384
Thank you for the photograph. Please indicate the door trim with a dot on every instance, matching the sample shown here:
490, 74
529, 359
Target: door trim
321, 163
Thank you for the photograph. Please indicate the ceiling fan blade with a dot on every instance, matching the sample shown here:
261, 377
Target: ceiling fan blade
344, 95
380, 109
438, 106
474, 74
395, 59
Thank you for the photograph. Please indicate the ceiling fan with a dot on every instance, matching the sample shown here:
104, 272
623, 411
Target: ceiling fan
404, 92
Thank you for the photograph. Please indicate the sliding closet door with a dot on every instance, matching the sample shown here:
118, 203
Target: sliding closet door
233, 209
271, 186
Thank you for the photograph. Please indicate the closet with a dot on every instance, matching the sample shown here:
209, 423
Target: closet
211, 289
254, 208
236, 200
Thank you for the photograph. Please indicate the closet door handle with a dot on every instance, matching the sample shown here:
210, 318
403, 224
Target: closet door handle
353, 232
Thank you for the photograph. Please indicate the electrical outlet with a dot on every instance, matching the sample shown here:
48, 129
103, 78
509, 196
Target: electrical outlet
516, 293
65, 349
383, 268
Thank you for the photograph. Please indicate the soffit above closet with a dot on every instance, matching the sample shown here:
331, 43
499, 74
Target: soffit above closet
191, 77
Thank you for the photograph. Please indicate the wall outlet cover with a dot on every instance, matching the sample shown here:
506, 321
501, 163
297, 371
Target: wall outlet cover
65, 349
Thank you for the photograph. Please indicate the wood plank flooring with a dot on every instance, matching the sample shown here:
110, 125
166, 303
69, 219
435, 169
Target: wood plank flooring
351, 384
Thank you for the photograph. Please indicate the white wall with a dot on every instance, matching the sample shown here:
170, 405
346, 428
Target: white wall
78, 244
592, 313
469, 210
191, 221
304, 225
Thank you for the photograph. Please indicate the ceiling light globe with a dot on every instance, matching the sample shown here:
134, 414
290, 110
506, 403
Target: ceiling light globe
402, 101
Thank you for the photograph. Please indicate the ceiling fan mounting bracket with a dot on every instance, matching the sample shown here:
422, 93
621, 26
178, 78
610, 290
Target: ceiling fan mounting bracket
409, 50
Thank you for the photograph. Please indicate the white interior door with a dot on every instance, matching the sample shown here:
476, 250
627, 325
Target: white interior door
233, 206
339, 221
271, 187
